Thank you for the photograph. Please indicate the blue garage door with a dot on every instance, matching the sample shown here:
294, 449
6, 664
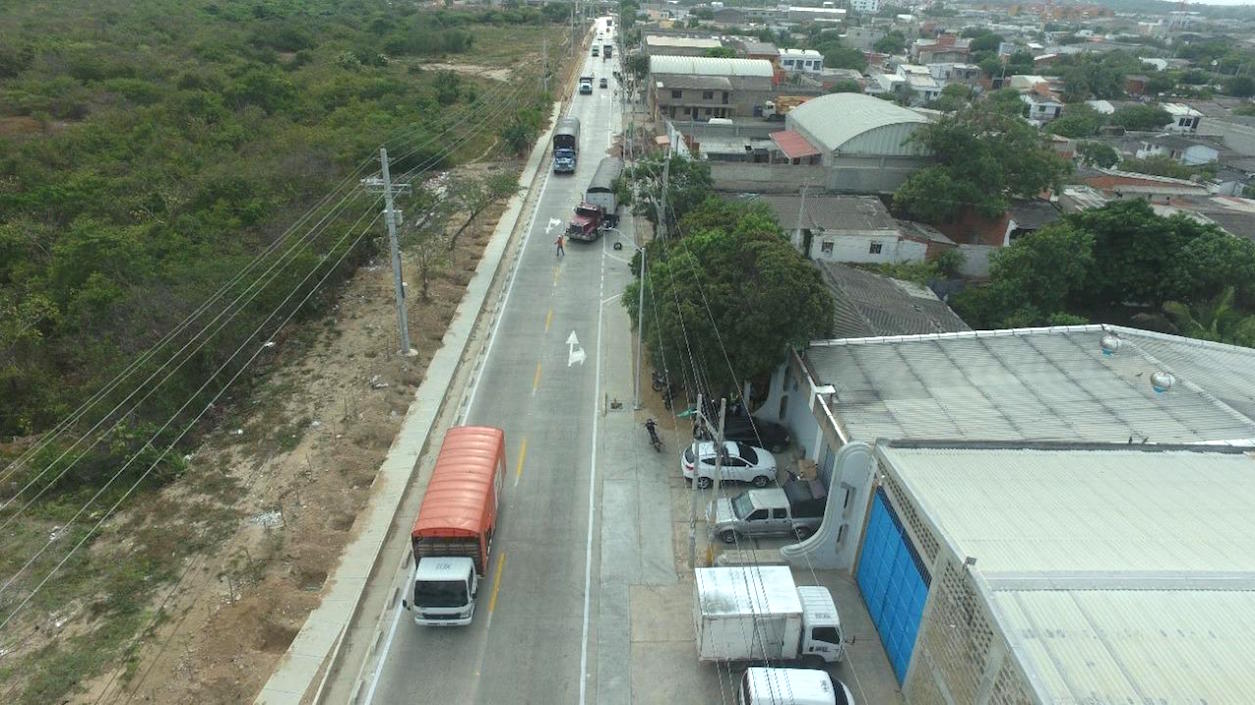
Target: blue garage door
893, 583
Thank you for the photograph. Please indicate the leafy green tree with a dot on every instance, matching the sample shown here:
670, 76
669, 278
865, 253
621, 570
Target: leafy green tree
721, 53
1035, 278
745, 293
846, 85
1206, 320
1140, 118
1005, 101
1078, 120
842, 57
688, 184
894, 42
1098, 154
1240, 86
954, 96
1158, 166
986, 42
637, 65
448, 87
985, 158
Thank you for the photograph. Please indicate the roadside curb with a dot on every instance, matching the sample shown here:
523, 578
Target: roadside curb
312, 654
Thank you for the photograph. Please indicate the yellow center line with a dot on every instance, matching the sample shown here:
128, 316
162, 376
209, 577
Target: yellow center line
548, 319
536, 379
496, 582
518, 469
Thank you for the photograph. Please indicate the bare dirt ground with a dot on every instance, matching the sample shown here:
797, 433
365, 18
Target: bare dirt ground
300, 465
472, 70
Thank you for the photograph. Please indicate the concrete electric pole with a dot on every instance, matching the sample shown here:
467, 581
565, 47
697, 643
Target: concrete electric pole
392, 217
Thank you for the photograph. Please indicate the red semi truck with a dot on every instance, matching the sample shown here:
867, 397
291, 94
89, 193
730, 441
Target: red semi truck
452, 536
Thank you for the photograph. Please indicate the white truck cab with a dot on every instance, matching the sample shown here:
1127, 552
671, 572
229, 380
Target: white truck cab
444, 591
822, 635
791, 686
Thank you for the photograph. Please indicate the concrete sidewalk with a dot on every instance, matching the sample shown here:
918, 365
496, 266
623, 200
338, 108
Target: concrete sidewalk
310, 658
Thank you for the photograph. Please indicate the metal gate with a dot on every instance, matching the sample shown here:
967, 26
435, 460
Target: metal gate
893, 583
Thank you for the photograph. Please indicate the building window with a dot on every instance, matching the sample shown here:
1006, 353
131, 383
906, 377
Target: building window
708, 95
676, 93
873, 249
707, 112
725, 97
826, 247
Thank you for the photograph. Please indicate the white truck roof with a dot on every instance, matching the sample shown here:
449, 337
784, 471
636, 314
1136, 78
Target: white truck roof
789, 686
443, 568
818, 606
738, 590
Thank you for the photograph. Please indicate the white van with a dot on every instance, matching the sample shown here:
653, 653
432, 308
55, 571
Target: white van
791, 686
721, 121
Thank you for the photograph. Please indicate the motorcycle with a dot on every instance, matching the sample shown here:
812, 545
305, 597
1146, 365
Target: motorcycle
651, 426
660, 381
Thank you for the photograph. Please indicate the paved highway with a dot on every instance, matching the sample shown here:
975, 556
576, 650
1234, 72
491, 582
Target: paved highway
533, 637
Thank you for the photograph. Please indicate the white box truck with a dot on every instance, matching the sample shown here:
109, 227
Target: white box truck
791, 686
745, 613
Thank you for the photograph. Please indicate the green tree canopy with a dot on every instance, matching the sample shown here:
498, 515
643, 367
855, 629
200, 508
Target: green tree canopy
846, 85
894, 42
743, 292
984, 158
688, 185
1140, 118
1078, 120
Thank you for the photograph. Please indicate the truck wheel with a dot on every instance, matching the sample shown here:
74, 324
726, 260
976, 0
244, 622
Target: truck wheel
728, 536
761, 481
704, 483
801, 532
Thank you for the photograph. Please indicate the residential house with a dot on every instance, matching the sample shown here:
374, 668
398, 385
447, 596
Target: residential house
753, 49
1180, 149
919, 83
1135, 84
865, 7
1022, 83
801, 60
1126, 184
951, 72
946, 48
862, 38
818, 15
1184, 118
731, 17
700, 88
1042, 108
855, 229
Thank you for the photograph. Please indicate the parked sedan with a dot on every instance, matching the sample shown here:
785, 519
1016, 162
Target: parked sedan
756, 431
741, 463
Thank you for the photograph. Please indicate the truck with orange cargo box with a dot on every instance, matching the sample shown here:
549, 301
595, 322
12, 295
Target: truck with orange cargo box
452, 536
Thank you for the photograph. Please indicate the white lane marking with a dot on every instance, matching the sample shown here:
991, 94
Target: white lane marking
592, 495
492, 339
553, 222
612, 298
574, 353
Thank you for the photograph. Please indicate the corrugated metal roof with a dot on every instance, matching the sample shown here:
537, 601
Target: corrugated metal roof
838, 118
867, 304
709, 66
793, 144
1117, 575
1039, 384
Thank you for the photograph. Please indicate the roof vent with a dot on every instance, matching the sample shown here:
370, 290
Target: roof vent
1162, 381
1110, 344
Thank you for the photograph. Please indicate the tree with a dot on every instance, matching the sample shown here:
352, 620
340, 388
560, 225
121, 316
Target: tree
1240, 86
894, 42
1005, 101
448, 87
954, 96
985, 158
1098, 154
842, 57
1034, 279
1159, 166
986, 42
730, 303
637, 65
1140, 118
688, 184
846, 85
1078, 120
721, 53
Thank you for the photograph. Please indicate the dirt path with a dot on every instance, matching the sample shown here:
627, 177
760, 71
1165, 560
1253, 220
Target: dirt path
502, 75
300, 466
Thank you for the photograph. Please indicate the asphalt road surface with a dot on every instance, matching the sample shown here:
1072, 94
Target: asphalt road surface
530, 641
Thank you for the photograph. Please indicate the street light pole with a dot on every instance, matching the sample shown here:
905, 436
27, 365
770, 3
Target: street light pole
640, 326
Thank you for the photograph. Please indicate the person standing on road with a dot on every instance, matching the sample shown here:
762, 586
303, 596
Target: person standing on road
559, 242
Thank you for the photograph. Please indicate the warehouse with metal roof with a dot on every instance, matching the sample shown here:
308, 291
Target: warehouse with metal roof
863, 142
1062, 573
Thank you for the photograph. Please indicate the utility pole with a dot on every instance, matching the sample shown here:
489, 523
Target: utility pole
697, 466
723, 411
544, 66
640, 325
702, 423
392, 217
666, 176
801, 210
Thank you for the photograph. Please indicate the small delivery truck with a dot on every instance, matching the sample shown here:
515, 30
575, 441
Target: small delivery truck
745, 613
452, 536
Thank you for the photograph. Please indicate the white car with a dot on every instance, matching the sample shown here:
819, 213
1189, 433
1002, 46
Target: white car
741, 463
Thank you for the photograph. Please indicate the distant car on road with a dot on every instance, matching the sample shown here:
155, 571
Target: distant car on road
603, 83
741, 463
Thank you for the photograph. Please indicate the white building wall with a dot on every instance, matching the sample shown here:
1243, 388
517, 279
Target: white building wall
870, 7
858, 248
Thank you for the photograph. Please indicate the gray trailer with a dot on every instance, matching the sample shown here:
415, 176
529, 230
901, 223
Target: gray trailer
566, 145
601, 189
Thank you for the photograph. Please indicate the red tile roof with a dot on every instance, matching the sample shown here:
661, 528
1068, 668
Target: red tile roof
793, 144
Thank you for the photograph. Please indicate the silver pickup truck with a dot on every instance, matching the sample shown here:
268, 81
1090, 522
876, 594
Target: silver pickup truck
796, 508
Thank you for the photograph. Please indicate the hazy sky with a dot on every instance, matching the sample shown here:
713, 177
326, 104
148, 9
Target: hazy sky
1224, 2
